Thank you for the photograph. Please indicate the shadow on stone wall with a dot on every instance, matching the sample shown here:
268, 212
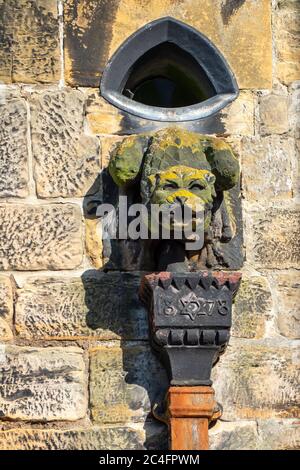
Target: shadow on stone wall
126, 380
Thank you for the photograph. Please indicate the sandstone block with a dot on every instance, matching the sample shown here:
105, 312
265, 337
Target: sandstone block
102, 117
6, 36
13, 145
29, 41
6, 333
267, 167
237, 435
93, 241
294, 109
273, 238
278, 434
94, 30
258, 380
273, 111
124, 382
95, 438
42, 384
35, 237
288, 300
67, 161
238, 117
6, 308
6, 297
252, 308
97, 306
286, 23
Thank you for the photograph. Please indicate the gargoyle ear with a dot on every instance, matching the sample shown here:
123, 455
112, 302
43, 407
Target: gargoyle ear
224, 164
126, 160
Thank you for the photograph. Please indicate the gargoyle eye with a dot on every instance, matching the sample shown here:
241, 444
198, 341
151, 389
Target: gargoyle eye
169, 186
197, 186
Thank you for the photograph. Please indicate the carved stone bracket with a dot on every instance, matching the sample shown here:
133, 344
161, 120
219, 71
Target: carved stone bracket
190, 319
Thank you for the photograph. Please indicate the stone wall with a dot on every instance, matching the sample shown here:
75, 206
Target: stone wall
75, 367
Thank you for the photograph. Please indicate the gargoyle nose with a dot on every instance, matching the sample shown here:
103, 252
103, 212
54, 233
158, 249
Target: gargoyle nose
181, 200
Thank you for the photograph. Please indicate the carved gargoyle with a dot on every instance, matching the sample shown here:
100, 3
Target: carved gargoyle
178, 166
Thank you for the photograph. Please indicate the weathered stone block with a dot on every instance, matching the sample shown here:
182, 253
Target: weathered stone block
267, 167
29, 40
67, 162
252, 308
6, 297
288, 303
102, 117
273, 111
6, 36
35, 237
278, 434
237, 435
42, 384
294, 108
6, 308
238, 117
93, 241
273, 238
294, 121
286, 24
99, 305
95, 438
124, 382
13, 145
5, 331
94, 30
258, 379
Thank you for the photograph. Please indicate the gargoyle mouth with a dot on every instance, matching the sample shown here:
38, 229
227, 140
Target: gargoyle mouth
186, 217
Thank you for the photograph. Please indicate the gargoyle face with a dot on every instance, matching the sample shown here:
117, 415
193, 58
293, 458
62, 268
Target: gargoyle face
176, 167
185, 186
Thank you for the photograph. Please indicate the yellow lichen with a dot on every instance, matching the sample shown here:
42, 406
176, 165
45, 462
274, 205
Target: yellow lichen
181, 171
191, 198
179, 138
128, 143
219, 144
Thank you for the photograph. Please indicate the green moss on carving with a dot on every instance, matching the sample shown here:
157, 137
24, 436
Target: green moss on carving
126, 160
170, 147
224, 166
